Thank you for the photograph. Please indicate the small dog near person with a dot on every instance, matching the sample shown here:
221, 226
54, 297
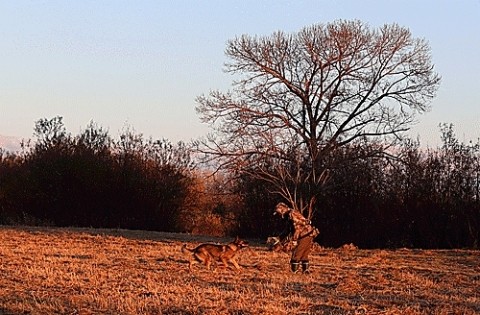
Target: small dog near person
209, 254
279, 244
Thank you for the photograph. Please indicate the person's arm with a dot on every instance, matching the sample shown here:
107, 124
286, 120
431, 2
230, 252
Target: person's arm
296, 233
287, 231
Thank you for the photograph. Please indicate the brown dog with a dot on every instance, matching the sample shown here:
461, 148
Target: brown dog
278, 244
211, 253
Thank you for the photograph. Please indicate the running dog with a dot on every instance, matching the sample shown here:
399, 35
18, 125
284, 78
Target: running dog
211, 253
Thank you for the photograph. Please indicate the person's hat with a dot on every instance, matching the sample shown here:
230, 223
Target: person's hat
281, 208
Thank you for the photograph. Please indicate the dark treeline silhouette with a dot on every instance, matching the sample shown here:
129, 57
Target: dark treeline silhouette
92, 180
425, 198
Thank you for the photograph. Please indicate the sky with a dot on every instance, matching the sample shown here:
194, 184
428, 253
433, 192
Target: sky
141, 64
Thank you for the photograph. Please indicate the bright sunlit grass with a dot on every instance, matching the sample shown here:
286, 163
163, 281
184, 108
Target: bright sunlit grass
81, 271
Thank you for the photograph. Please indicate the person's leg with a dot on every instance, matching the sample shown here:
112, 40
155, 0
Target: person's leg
307, 243
300, 254
294, 266
305, 266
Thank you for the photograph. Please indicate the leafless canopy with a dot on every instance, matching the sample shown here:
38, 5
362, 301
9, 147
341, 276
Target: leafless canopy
298, 96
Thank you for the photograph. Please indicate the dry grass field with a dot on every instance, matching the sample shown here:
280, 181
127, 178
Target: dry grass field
81, 271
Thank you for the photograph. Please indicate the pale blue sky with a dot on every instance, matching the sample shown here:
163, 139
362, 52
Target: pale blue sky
143, 63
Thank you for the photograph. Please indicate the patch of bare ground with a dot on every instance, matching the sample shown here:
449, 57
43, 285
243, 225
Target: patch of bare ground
82, 271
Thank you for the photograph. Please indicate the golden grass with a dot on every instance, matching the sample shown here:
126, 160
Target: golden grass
81, 271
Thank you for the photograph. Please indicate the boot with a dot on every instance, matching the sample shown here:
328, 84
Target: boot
294, 265
305, 266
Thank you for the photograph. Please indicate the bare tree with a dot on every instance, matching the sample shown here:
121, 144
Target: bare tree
299, 96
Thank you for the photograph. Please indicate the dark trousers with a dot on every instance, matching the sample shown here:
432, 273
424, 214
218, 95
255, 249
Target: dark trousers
303, 249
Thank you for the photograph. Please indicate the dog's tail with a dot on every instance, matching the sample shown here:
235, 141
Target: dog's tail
185, 249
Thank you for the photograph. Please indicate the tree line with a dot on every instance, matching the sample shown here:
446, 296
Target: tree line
426, 198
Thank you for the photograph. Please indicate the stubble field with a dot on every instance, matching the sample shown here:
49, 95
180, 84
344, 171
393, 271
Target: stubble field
82, 271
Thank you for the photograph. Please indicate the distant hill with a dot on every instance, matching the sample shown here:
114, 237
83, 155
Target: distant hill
9, 143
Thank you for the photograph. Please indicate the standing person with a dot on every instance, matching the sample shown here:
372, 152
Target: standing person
302, 233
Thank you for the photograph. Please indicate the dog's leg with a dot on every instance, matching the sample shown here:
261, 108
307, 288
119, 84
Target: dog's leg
190, 265
198, 259
234, 262
224, 262
212, 262
208, 262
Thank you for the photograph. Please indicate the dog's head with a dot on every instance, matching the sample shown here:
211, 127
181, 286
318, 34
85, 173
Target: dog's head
277, 244
240, 243
274, 244
273, 240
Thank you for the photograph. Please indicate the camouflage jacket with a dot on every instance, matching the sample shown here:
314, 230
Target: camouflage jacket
302, 227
